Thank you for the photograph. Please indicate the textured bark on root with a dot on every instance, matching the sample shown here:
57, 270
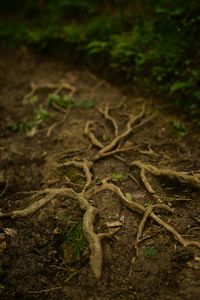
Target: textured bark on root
93, 239
146, 215
135, 122
57, 87
105, 113
84, 198
182, 177
136, 207
85, 165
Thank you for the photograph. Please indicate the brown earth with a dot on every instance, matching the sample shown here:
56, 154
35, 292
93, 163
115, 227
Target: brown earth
44, 255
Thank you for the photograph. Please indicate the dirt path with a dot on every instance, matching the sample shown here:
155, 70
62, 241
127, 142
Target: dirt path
99, 192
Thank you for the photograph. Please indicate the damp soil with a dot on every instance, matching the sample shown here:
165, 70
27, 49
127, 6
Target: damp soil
45, 255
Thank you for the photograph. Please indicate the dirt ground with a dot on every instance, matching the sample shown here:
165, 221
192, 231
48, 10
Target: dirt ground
47, 152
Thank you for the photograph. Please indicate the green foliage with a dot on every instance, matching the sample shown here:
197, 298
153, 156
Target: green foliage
149, 251
75, 237
66, 101
18, 126
70, 237
71, 233
154, 43
179, 128
63, 101
24, 125
95, 47
73, 34
84, 103
117, 177
40, 116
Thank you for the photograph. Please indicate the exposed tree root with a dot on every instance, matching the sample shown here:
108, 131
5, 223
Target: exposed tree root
183, 177
50, 129
87, 193
94, 240
91, 136
132, 121
49, 194
149, 152
57, 87
85, 165
107, 116
134, 206
146, 215
135, 121
146, 182
30, 209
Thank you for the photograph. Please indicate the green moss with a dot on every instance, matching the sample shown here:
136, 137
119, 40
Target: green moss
149, 251
74, 175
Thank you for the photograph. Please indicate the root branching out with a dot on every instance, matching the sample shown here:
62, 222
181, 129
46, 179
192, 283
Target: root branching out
182, 177
90, 189
55, 87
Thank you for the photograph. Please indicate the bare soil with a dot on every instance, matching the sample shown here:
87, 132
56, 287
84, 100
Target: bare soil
44, 255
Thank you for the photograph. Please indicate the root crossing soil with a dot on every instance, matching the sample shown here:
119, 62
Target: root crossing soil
99, 197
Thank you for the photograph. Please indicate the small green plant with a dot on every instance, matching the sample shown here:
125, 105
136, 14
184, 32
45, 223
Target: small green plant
149, 251
84, 104
40, 115
117, 177
17, 127
66, 101
76, 238
63, 101
24, 125
179, 128
70, 236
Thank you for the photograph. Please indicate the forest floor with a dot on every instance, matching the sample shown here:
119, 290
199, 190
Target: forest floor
99, 189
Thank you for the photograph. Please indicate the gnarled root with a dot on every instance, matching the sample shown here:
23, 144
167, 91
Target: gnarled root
182, 177
135, 121
146, 215
57, 87
94, 240
107, 116
134, 206
85, 165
